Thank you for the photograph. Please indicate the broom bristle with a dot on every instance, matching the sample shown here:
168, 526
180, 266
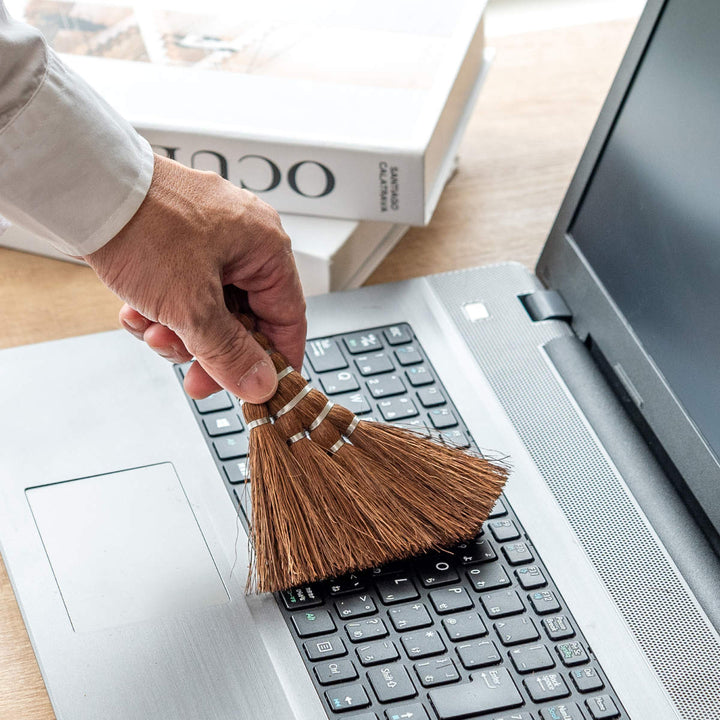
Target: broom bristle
333, 494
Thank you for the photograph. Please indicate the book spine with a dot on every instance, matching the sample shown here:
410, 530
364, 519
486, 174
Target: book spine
307, 180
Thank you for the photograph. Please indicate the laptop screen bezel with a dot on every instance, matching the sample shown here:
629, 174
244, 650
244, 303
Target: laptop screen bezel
563, 267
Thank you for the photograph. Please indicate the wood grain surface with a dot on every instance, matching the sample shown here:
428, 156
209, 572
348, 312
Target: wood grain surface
521, 147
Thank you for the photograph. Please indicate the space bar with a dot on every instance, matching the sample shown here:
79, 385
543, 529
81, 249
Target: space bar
488, 691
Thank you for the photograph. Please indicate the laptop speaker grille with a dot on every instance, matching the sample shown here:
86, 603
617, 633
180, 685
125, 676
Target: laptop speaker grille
635, 570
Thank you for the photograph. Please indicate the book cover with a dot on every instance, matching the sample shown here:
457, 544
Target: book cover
333, 109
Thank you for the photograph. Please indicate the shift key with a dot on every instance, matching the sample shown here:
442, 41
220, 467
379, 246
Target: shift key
487, 691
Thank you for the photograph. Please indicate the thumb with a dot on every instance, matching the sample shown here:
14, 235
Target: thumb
229, 354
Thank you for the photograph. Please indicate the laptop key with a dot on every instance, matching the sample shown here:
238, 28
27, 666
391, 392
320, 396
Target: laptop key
325, 648
544, 602
478, 654
313, 622
503, 530
455, 438
366, 629
396, 409
530, 577
602, 707
405, 712
475, 551
558, 627
397, 334
346, 584
213, 403
438, 671
229, 447
464, 627
236, 472
222, 423
563, 711
374, 364
499, 510
531, 658
586, 679
374, 653
335, 671
339, 382
325, 355
546, 686
363, 342
396, 589
488, 577
419, 375
385, 386
430, 397
423, 644
516, 630
435, 572
517, 554
346, 698
409, 617
442, 418
391, 682
488, 691
301, 597
355, 606
452, 599
572, 653
408, 355
501, 603
356, 402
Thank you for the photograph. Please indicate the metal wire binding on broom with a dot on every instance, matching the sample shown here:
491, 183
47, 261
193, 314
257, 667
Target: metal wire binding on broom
332, 493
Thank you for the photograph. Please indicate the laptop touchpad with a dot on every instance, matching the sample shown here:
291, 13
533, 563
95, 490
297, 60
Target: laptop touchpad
125, 547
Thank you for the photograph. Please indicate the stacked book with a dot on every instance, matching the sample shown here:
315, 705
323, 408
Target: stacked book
345, 116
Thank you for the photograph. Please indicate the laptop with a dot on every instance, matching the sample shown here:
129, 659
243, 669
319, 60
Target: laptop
592, 591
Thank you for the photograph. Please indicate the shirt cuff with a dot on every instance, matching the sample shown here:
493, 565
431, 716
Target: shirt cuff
72, 170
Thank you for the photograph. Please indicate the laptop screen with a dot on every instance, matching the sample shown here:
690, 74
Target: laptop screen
649, 221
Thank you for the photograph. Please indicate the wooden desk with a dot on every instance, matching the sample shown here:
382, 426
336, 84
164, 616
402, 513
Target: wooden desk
521, 147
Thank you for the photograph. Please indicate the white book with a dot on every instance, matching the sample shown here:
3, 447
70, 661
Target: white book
331, 254
349, 109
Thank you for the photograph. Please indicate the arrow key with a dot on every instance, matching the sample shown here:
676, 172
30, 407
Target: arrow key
346, 698
406, 712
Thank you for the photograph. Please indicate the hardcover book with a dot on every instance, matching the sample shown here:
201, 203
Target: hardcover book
339, 109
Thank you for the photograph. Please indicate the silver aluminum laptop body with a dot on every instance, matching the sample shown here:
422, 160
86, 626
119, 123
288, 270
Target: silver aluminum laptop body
138, 610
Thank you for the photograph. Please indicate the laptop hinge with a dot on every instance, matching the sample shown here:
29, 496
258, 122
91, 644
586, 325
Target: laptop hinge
545, 305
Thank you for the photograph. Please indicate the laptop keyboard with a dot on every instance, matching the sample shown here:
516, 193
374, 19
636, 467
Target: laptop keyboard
479, 631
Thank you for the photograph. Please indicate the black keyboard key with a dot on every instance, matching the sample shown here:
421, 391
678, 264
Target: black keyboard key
415, 711
442, 418
562, 711
546, 686
222, 423
499, 510
325, 355
475, 551
385, 386
339, 382
517, 715
572, 653
409, 617
454, 438
229, 447
313, 622
408, 355
213, 403
374, 364
478, 654
301, 597
488, 577
449, 600
501, 603
488, 691
365, 716
325, 648
464, 627
374, 653
335, 671
602, 707
503, 530
396, 589
531, 658
438, 671
391, 683
544, 602
517, 554
236, 471
362, 630
346, 584
530, 577
347, 698
587, 679
396, 409
419, 375
355, 606
363, 342
436, 571
516, 630
430, 397
397, 334
356, 402
423, 644
558, 627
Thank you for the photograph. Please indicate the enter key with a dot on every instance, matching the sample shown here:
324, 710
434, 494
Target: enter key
486, 692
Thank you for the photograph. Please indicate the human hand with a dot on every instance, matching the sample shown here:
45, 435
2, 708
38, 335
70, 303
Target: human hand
194, 233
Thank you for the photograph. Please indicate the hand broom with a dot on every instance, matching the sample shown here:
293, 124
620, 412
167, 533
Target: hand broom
332, 494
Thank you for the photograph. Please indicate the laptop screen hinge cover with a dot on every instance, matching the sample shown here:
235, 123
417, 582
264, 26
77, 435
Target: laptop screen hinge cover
545, 305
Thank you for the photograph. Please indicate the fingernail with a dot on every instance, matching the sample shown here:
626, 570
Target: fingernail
259, 383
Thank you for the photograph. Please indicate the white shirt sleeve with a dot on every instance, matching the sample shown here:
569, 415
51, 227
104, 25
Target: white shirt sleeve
72, 170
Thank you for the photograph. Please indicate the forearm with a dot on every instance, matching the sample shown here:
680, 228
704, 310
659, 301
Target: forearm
71, 169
